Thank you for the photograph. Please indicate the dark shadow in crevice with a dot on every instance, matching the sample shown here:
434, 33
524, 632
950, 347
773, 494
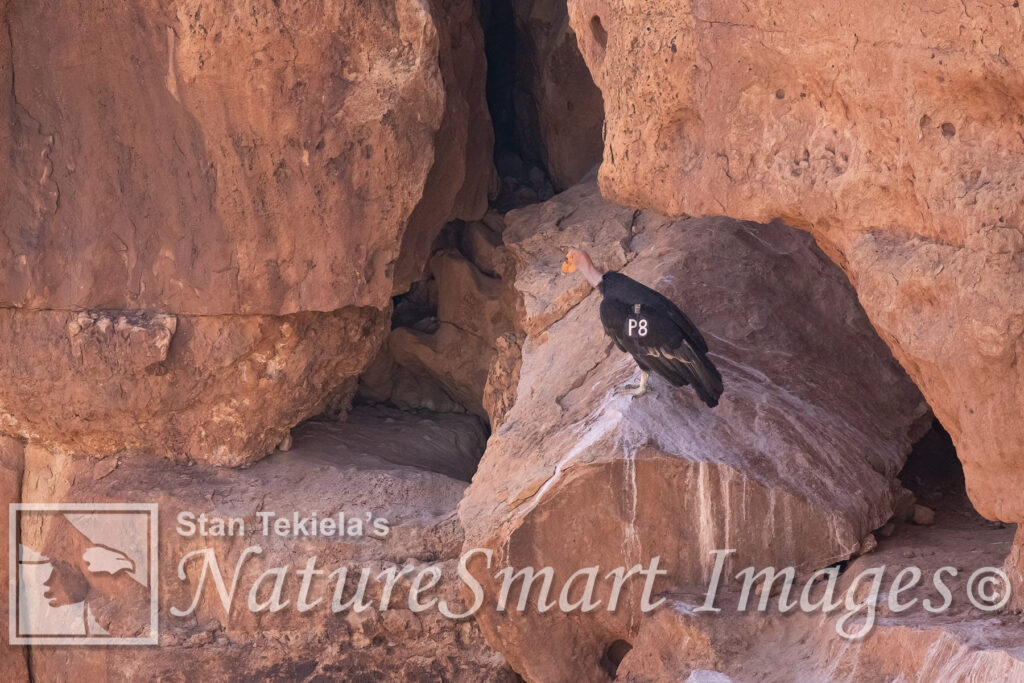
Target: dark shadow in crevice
613, 656
518, 148
934, 475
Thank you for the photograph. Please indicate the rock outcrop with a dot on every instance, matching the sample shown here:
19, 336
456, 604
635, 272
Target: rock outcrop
140, 184
443, 346
231, 195
368, 470
796, 466
218, 221
894, 135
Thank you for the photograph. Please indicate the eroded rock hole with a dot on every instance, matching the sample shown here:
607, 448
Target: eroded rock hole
518, 156
452, 349
613, 656
600, 34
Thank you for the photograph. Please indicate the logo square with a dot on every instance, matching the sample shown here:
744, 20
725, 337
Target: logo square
83, 574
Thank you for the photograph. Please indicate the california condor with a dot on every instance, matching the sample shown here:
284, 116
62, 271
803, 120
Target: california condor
652, 329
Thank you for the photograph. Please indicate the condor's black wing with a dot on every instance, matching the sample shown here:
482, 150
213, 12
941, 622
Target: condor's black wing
659, 336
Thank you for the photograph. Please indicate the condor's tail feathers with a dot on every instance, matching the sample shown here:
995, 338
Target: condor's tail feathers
685, 365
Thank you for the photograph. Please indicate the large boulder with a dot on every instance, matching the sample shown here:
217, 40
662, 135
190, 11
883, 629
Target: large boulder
675, 643
796, 466
227, 197
893, 134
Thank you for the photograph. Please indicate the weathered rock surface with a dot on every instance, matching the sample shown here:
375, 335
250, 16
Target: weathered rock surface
500, 390
366, 468
795, 466
219, 389
894, 135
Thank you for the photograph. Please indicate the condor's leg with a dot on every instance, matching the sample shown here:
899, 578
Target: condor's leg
640, 390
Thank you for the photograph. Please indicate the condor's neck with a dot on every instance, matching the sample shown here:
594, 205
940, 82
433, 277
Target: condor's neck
592, 274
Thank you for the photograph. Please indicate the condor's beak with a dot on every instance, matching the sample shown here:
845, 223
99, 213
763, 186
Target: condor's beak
568, 267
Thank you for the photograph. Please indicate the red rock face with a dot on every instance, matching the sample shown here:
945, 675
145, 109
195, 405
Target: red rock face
894, 135
231, 161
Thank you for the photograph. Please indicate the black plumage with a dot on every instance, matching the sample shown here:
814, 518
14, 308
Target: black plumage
658, 335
